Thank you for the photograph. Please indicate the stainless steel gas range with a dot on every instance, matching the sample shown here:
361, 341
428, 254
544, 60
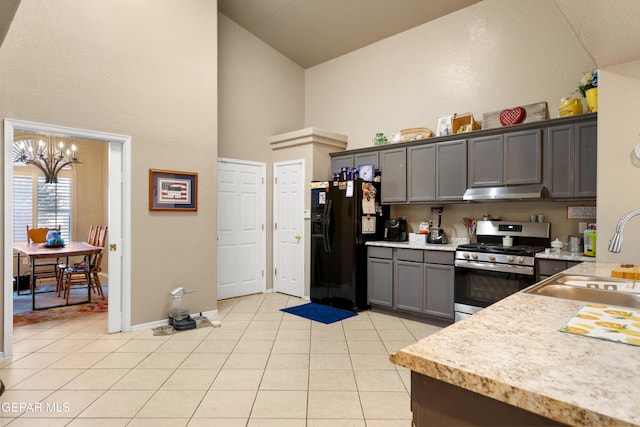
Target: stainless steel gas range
500, 263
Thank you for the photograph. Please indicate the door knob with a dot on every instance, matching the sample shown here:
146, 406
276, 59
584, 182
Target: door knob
298, 237
113, 247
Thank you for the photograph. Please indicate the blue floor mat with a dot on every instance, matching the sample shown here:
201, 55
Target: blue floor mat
319, 313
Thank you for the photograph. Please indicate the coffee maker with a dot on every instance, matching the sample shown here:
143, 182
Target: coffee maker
436, 233
396, 229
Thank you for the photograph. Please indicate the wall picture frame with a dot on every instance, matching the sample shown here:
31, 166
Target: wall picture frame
443, 127
173, 190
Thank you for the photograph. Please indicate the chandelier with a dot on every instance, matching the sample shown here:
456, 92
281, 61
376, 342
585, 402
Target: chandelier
46, 156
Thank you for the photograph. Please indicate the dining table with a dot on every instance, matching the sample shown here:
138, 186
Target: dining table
36, 251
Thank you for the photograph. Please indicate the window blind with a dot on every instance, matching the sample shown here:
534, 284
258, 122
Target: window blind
43, 205
22, 206
54, 205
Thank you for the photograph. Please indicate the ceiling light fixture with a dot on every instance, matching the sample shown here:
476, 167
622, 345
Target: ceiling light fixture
46, 156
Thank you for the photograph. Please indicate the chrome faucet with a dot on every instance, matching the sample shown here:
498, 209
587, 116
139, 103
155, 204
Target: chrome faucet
615, 244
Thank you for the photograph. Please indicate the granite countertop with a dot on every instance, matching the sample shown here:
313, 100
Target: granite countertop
451, 246
514, 352
566, 256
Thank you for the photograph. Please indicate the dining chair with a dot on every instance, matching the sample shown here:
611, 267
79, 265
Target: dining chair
44, 268
75, 275
92, 238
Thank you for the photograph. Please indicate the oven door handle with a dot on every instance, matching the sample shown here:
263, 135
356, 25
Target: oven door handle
500, 268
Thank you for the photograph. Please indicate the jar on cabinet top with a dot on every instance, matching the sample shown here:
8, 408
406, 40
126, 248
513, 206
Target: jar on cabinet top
380, 139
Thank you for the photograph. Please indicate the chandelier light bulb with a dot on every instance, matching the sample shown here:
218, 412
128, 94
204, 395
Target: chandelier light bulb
48, 158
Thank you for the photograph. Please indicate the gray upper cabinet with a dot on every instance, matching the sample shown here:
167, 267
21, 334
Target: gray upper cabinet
442, 169
586, 159
486, 161
351, 160
506, 159
421, 175
437, 172
571, 160
451, 170
340, 161
523, 157
371, 158
393, 170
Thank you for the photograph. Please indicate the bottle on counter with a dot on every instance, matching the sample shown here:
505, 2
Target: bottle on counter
590, 240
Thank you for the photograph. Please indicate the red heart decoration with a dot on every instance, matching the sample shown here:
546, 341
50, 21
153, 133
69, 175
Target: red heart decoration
512, 117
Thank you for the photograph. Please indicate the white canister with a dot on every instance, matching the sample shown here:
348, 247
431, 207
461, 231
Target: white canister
507, 241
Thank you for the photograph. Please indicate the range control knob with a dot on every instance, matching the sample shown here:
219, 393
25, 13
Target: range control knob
520, 260
510, 258
474, 256
465, 255
492, 257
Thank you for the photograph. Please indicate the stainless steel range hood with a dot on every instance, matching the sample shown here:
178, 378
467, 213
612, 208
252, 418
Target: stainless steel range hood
514, 192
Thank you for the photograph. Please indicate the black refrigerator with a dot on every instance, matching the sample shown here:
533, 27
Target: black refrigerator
344, 215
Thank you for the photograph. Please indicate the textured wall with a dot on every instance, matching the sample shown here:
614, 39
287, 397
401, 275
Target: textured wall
493, 55
147, 69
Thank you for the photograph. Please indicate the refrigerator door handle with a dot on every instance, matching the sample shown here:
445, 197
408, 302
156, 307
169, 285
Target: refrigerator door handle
326, 225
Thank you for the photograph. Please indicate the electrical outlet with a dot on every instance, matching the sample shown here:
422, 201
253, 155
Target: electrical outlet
25, 261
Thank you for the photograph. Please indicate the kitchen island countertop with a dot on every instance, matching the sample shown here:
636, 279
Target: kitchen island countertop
514, 352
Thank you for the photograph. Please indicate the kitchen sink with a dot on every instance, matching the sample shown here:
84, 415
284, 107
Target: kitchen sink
589, 289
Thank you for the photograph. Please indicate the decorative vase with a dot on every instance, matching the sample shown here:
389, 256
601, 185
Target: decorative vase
54, 238
570, 107
380, 139
592, 99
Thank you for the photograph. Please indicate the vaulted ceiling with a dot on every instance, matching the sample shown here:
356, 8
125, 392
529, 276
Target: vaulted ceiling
310, 32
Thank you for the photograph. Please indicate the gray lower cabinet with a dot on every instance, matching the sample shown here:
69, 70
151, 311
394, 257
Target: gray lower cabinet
439, 290
505, 159
409, 280
415, 281
409, 286
548, 267
393, 170
380, 276
571, 160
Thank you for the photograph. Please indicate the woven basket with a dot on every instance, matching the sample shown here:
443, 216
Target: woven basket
463, 123
415, 134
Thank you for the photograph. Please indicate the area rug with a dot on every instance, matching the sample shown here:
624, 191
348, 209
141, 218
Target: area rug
59, 313
319, 313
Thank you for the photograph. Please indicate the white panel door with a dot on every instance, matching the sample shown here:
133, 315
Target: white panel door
241, 231
288, 233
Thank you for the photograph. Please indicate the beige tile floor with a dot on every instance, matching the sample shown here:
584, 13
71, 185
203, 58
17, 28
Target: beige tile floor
261, 368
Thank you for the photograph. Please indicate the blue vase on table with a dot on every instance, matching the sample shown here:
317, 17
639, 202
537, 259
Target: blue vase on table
54, 238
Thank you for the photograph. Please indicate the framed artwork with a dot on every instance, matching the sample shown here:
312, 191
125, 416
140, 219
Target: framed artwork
444, 125
173, 191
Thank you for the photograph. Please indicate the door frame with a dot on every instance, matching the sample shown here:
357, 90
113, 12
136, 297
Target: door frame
301, 213
119, 152
262, 214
